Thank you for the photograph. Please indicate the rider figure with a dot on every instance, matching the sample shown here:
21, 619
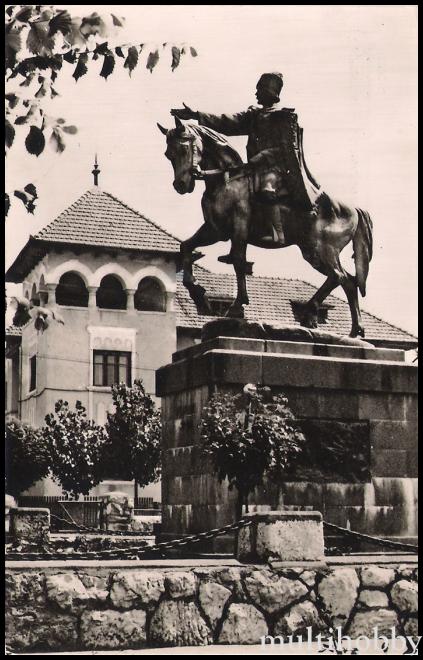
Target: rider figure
274, 151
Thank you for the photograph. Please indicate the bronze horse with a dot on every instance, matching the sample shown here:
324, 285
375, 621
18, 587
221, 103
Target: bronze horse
230, 213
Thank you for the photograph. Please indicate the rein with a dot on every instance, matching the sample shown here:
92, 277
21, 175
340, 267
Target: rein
199, 174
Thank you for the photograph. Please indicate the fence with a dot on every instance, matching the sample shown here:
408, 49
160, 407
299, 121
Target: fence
87, 512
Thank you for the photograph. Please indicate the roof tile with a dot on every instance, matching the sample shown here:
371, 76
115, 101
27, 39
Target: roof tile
99, 218
270, 301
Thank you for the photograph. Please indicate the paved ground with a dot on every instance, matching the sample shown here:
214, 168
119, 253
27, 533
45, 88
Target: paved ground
277, 649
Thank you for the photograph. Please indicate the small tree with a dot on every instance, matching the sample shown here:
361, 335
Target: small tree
132, 450
75, 445
248, 436
27, 457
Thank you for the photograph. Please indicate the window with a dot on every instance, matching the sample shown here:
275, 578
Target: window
111, 367
110, 294
32, 373
150, 297
72, 291
220, 304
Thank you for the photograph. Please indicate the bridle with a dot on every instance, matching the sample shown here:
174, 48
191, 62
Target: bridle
198, 174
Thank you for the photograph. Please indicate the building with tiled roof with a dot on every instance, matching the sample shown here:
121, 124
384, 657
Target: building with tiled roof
114, 275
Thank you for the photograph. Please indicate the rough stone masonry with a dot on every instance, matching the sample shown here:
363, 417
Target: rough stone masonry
101, 607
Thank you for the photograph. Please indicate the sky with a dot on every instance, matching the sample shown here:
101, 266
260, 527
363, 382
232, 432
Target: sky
350, 71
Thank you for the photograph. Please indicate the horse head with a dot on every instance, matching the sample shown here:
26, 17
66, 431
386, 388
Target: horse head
184, 152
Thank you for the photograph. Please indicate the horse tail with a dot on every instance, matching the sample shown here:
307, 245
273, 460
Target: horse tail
363, 248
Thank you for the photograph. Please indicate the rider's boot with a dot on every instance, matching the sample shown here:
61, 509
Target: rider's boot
273, 223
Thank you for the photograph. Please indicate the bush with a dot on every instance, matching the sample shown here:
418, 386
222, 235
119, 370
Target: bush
27, 456
248, 436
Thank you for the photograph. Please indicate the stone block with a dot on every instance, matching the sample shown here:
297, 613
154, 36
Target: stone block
302, 493
289, 347
108, 629
40, 629
373, 598
405, 596
366, 623
29, 524
411, 407
176, 623
377, 405
413, 463
171, 378
24, 588
376, 576
305, 372
213, 598
238, 367
244, 624
389, 463
389, 434
349, 494
299, 620
338, 591
67, 592
273, 593
136, 588
285, 535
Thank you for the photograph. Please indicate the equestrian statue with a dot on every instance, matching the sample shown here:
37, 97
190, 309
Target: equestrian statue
272, 201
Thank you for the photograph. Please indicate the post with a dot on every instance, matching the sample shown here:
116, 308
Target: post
287, 536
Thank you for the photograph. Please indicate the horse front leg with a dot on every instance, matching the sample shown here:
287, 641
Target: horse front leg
204, 236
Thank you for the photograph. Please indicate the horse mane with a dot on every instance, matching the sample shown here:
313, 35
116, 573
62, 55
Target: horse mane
217, 145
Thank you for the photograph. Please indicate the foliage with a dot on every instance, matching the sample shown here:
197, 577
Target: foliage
43, 40
27, 457
248, 436
75, 445
132, 450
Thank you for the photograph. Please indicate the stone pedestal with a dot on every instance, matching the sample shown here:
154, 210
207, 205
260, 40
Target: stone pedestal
332, 387
29, 525
289, 536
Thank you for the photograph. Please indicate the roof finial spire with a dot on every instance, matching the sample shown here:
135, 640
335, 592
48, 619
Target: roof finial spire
96, 171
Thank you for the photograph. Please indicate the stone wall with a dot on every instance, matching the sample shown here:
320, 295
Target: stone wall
121, 608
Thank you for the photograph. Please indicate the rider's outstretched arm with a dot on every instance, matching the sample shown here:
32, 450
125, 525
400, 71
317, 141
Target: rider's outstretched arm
237, 124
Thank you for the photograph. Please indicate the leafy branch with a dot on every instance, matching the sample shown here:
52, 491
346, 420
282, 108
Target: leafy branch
42, 40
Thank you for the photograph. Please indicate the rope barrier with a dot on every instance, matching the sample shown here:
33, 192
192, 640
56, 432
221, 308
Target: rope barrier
396, 545
133, 552
136, 551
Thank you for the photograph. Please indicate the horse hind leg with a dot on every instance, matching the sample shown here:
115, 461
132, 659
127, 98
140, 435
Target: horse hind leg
311, 308
350, 286
330, 265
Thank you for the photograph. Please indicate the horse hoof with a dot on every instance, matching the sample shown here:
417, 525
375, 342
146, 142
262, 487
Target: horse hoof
358, 332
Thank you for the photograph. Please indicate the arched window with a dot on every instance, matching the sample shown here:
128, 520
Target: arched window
111, 294
150, 297
72, 291
35, 296
42, 291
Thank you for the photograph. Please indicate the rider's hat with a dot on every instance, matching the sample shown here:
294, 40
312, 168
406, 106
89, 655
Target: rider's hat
273, 82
